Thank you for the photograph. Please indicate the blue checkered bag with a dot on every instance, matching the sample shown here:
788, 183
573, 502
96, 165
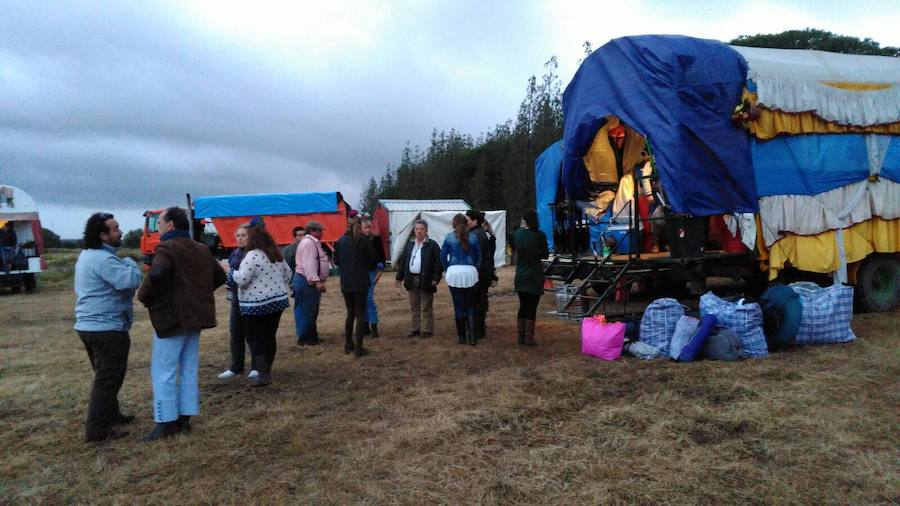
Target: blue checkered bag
658, 323
744, 320
826, 313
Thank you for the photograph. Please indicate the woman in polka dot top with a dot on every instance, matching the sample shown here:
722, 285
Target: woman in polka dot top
262, 282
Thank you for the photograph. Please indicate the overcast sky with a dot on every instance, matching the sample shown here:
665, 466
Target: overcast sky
126, 106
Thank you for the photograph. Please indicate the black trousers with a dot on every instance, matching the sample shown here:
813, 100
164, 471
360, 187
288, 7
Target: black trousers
260, 333
237, 342
108, 353
356, 311
528, 303
481, 303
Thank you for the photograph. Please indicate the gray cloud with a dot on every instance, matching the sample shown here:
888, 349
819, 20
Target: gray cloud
125, 105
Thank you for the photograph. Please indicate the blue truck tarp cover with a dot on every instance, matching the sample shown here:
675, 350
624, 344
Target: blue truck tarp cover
815, 163
679, 92
547, 169
223, 206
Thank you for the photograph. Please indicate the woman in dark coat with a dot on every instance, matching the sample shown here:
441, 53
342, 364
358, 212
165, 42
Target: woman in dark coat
235, 324
531, 248
355, 256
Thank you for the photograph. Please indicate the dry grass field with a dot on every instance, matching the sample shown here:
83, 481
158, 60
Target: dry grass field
429, 421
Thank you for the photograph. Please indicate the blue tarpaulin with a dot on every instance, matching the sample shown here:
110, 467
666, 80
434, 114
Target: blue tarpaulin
265, 205
547, 169
815, 163
679, 92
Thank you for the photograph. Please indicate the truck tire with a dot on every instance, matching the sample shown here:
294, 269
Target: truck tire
878, 283
30, 282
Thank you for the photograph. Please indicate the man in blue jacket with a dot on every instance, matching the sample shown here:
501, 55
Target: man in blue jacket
104, 286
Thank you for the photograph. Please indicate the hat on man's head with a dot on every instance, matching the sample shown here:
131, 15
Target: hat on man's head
353, 213
314, 225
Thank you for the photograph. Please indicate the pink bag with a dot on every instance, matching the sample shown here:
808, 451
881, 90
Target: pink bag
601, 339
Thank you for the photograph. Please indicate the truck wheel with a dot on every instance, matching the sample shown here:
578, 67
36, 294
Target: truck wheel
30, 282
878, 283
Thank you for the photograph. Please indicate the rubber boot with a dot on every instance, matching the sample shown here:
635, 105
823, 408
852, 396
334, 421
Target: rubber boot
520, 326
471, 330
461, 330
184, 423
348, 344
359, 351
529, 333
374, 330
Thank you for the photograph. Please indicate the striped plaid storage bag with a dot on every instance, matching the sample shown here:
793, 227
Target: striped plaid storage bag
658, 323
744, 320
826, 313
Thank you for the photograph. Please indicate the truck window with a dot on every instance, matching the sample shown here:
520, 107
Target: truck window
152, 223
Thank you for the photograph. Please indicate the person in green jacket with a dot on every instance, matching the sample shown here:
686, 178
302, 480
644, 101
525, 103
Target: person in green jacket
531, 248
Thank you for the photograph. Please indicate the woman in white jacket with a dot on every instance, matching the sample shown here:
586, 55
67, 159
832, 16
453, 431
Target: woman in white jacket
263, 293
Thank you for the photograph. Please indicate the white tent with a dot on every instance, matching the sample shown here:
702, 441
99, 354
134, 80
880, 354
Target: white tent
398, 216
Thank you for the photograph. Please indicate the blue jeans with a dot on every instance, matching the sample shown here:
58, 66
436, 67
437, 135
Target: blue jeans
174, 356
306, 308
463, 301
6, 257
371, 308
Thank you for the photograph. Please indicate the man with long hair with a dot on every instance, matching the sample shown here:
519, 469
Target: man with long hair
104, 287
178, 292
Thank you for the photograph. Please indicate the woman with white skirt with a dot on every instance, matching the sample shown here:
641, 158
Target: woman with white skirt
460, 256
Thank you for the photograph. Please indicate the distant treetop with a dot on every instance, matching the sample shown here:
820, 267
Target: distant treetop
812, 38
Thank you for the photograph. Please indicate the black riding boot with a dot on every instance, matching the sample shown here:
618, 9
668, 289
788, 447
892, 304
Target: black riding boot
348, 344
461, 330
520, 336
471, 330
359, 350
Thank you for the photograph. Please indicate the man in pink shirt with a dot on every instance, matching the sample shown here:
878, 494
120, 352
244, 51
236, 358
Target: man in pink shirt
309, 283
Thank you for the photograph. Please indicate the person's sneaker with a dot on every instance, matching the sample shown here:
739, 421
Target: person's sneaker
253, 374
427, 334
228, 374
314, 341
414, 333
260, 381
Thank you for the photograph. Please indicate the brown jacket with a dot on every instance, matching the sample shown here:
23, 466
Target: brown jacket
178, 291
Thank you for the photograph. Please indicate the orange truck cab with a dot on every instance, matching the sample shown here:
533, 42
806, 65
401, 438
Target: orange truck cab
150, 235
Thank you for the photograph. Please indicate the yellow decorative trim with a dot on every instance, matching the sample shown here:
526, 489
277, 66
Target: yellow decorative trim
849, 86
772, 123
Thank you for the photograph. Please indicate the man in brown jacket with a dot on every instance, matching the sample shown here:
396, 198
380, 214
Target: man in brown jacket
178, 292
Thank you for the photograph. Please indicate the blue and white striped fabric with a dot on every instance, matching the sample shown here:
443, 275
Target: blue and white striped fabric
744, 320
826, 313
658, 323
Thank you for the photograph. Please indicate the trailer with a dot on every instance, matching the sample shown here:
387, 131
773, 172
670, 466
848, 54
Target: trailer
19, 212
792, 156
